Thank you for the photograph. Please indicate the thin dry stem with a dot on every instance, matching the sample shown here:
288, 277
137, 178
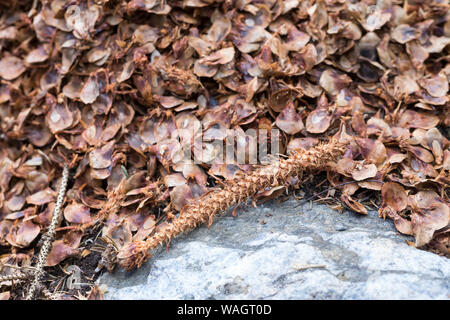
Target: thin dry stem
234, 192
50, 234
15, 276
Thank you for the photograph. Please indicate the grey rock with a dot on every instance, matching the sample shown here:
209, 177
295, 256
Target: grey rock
280, 251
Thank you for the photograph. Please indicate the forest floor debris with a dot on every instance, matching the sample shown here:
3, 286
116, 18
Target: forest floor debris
121, 90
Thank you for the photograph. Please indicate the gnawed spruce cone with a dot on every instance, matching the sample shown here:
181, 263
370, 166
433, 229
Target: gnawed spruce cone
234, 192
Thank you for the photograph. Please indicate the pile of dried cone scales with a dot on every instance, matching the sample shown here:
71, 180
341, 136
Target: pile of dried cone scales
359, 91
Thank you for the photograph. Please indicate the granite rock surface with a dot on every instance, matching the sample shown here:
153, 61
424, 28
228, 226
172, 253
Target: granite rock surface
286, 251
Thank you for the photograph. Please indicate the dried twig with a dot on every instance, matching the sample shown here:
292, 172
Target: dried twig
234, 192
50, 234
112, 205
15, 276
